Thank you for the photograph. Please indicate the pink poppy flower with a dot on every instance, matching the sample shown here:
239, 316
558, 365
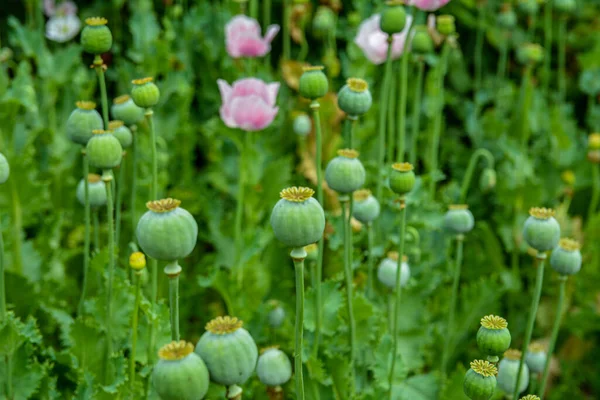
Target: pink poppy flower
373, 41
64, 9
428, 5
248, 104
242, 37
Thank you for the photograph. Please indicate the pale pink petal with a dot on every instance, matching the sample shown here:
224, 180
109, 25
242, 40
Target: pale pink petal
273, 89
251, 86
373, 41
252, 113
225, 90
400, 38
49, 7
226, 116
242, 23
428, 5
251, 47
272, 31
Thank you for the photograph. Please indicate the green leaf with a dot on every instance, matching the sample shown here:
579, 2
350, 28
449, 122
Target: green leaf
418, 387
332, 302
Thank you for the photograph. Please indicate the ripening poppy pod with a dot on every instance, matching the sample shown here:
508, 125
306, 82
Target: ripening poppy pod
4, 169
386, 272
507, 18
566, 257
96, 37
104, 150
565, 6
508, 368
458, 219
480, 380
393, 17
488, 179
228, 350
145, 93
302, 125
354, 98
274, 367
276, 314
366, 207
446, 25
121, 132
82, 122
402, 178
313, 83
541, 230
298, 219
96, 191
166, 231
345, 173
124, 109
180, 373
422, 43
530, 397
536, 358
493, 337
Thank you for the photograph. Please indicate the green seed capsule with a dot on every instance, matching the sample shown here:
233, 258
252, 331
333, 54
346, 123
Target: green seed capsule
566, 258
354, 98
345, 173
96, 191
530, 53
302, 125
145, 93
276, 315
324, 22
298, 219
507, 18
137, 261
393, 17
530, 397
487, 181
96, 38
313, 83
104, 150
167, 232
594, 141
480, 380
124, 109
458, 219
312, 252
229, 351
274, 367
565, 6
508, 368
541, 230
402, 178
366, 207
180, 374
422, 43
536, 358
82, 122
446, 25
493, 337
386, 272
529, 7
4, 169
121, 132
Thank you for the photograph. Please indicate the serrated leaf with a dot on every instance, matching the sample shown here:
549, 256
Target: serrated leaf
27, 373
418, 387
332, 300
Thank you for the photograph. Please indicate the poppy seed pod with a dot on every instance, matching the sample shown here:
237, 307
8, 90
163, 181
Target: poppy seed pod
323, 22
530, 53
354, 98
446, 25
530, 397
566, 257
124, 109
345, 173
274, 367
96, 37
297, 218
312, 252
121, 132
480, 380
529, 7
493, 337
565, 6
366, 207
180, 374
4, 169
422, 43
386, 272
82, 122
594, 141
508, 368
487, 180
137, 261
96, 191
228, 350
302, 125
145, 93
402, 178
507, 18
541, 230
313, 83
458, 219
393, 17
104, 150
536, 358
276, 315
166, 231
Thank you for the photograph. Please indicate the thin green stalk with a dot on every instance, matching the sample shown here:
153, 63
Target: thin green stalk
153, 263
345, 202
383, 107
370, 260
17, 235
99, 67
437, 127
479, 47
562, 285
535, 301
453, 301
9, 380
503, 62
390, 143
239, 208
562, 58
120, 189
254, 9
287, 47
86, 238
595, 190
96, 230
466, 183
134, 328
107, 177
266, 22
527, 91
134, 168
298, 255
531, 28
319, 163
416, 112
173, 270
547, 44
2, 283
402, 105
349, 126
